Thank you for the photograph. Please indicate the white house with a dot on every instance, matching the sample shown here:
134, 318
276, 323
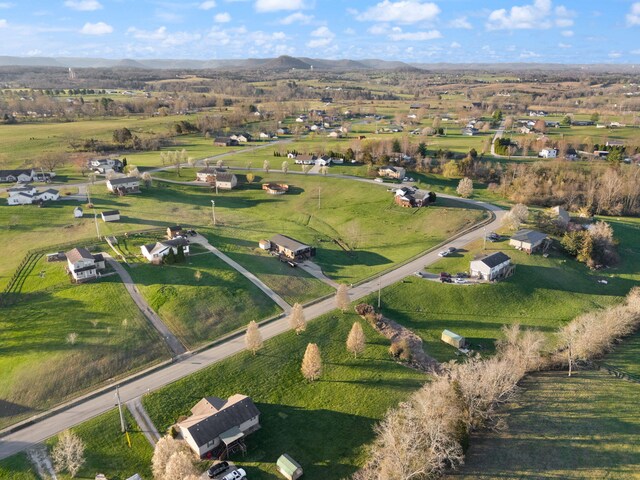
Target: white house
392, 172
21, 198
123, 185
155, 252
218, 425
324, 161
548, 153
77, 212
335, 134
84, 266
490, 267
48, 195
28, 195
22, 176
220, 178
562, 217
110, 215
264, 136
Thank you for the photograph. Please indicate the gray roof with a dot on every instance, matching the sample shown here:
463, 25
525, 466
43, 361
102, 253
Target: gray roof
212, 426
288, 243
15, 173
224, 177
79, 253
529, 236
110, 212
123, 180
493, 259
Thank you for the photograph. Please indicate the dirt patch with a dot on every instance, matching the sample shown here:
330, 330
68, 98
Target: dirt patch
397, 333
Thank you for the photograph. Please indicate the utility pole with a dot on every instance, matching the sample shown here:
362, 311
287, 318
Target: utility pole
484, 238
319, 190
213, 211
95, 219
122, 426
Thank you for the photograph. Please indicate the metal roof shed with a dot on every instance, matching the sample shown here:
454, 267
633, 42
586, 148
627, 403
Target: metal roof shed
452, 339
288, 467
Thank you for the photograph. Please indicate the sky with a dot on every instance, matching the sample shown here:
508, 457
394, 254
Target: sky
456, 31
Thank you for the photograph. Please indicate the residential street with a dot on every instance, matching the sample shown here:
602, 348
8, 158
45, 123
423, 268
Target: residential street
83, 410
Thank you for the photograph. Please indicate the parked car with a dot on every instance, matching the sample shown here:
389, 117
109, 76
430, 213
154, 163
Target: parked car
292, 264
379, 180
235, 475
217, 469
443, 253
462, 275
193, 233
445, 275
452, 249
446, 279
418, 274
459, 280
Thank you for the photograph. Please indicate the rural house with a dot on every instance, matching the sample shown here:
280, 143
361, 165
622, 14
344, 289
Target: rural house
275, 188
290, 248
220, 426
10, 176
562, 217
110, 215
491, 267
28, 195
411, 197
528, 240
548, 153
84, 266
225, 142
155, 252
392, 172
123, 185
305, 159
104, 165
174, 232
220, 178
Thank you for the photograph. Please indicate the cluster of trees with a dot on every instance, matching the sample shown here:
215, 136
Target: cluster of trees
172, 257
595, 247
428, 434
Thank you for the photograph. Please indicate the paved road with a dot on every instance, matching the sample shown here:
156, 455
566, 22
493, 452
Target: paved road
200, 240
171, 340
32, 434
147, 427
314, 269
499, 134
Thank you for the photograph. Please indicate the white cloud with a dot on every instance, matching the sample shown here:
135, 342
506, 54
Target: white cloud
322, 37
403, 11
6, 5
223, 17
567, 33
615, 55
349, 31
276, 5
529, 54
378, 29
161, 37
83, 5
99, 28
3, 23
208, 5
564, 45
633, 17
461, 22
455, 45
297, 18
531, 16
635, 52
415, 36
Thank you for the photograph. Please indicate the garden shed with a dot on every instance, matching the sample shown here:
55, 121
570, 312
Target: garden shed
288, 467
452, 339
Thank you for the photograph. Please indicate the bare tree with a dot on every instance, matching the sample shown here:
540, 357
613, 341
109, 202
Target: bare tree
285, 167
51, 160
356, 339
253, 337
312, 363
342, 298
297, 320
220, 163
180, 466
465, 187
146, 178
518, 214
68, 453
266, 166
72, 338
164, 449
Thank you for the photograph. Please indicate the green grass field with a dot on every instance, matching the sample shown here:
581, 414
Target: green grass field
322, 425
41, 367
583, 427
199, 307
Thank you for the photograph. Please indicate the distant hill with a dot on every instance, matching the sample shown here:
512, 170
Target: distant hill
285, 63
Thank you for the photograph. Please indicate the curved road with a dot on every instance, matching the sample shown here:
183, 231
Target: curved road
64, 417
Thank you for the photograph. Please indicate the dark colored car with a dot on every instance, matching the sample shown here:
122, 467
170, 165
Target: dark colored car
462, 275
451, 249
445, 275
217, 469
446, 280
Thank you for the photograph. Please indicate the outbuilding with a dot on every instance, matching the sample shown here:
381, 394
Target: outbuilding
288, 467
110, 215
453, 339
290, 248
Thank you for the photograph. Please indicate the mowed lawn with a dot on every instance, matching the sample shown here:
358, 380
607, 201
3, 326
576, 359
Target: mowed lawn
203, 298
583, 427
325, 425
544, 293
42, 366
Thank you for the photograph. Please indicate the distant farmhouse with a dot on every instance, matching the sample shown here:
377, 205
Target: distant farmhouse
220, 178
12, 176
392, 172
175, 232
225, 142
123, 185
155, 252
275, 188
83, 265
288, 247
491, 267
412, 197
528, 241
105, 165
28, 195
241, 137
561, 216
220, 426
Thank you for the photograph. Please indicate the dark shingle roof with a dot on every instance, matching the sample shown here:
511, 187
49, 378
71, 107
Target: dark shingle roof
123, 180
111, 212
493, 259
288, 243
529, 236
211, 427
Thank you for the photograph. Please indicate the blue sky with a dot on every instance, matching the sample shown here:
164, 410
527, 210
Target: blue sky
570, 31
